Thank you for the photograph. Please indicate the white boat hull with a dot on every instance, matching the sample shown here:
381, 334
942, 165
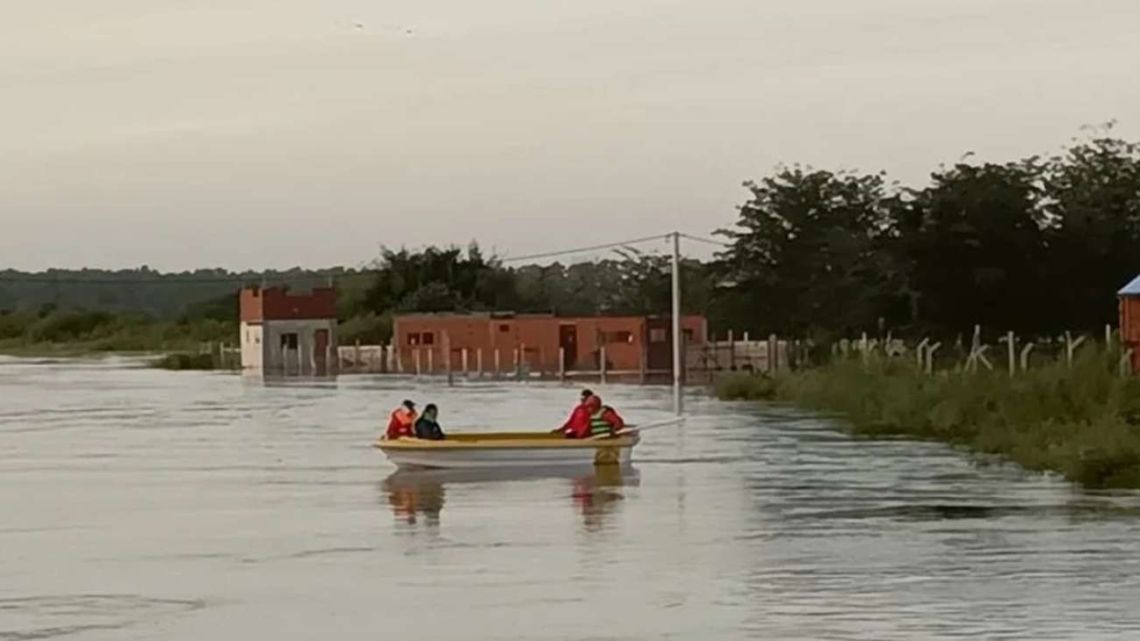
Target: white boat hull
502, 450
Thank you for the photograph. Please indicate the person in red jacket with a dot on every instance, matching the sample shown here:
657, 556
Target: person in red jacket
579, 420
402, 421
600, 420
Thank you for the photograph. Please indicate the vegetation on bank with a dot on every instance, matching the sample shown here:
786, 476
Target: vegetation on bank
1081, 422
179, 361
54, 331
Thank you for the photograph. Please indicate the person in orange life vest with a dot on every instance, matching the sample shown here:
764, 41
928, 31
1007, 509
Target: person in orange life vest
602, 420
402, 421
579, 417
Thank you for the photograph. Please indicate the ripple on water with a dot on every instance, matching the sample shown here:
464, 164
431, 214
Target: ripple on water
54, 616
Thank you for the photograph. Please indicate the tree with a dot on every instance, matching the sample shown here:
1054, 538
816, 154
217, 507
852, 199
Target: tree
807, 253
1093, 233
973, 248
437, 280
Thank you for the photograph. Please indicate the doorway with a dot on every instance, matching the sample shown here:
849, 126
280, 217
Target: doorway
321, 351
568, 341
659, 353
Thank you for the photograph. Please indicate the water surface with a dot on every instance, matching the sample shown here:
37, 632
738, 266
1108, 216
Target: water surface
142, 504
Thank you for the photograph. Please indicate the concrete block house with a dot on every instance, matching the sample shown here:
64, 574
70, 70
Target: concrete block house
287, 334
504, 341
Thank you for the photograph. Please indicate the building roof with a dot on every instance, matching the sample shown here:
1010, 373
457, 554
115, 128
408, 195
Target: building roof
1132, 288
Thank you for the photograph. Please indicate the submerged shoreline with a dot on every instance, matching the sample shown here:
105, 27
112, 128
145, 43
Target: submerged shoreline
177, 357
1082, 422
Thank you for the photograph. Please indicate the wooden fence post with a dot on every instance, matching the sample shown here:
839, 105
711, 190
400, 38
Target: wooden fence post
920, 352
479, 362
1025, 356
977, 355
1011, 348
1071, 347
431, 361
602, 364
466, 373
774, 341
419, 369
930, 357
1107, 337
731, 352
562, 364
447, 357
498, 362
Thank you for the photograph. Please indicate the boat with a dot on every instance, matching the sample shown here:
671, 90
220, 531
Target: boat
509, 449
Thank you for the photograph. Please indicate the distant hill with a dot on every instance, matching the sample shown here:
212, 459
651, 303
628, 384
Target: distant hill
146, 291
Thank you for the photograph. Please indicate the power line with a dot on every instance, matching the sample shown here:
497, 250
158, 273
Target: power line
582, 250
707, 241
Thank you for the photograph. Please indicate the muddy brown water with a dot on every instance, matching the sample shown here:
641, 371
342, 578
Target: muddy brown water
141, 504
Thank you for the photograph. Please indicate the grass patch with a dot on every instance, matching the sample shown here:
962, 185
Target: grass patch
186, 361
1082, 422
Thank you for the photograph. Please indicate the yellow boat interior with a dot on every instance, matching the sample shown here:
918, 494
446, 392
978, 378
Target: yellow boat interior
507, 440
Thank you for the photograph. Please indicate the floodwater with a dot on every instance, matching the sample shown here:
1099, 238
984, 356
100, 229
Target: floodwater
142, 504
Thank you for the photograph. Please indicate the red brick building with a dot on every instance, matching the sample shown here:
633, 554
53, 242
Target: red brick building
632, 344
283, 333
1130, 320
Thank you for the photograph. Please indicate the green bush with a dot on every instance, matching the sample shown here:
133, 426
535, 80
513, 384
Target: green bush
369, 329
740, 387
52, 330
64, 326
15, 324
1082, 422
185, 361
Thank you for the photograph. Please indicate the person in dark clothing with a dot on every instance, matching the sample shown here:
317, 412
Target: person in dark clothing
427, 426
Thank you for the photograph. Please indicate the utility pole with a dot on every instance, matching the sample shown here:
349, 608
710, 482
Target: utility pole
678, 406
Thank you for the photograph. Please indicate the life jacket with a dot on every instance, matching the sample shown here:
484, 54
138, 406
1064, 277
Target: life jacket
598, 424
401, 423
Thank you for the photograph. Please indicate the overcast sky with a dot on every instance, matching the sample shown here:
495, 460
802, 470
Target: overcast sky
271, 133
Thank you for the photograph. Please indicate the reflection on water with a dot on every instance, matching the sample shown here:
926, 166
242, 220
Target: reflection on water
598, 494
412, 495
140, 504
417, 495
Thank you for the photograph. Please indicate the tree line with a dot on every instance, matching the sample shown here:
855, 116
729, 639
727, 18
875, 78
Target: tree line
1037, 245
